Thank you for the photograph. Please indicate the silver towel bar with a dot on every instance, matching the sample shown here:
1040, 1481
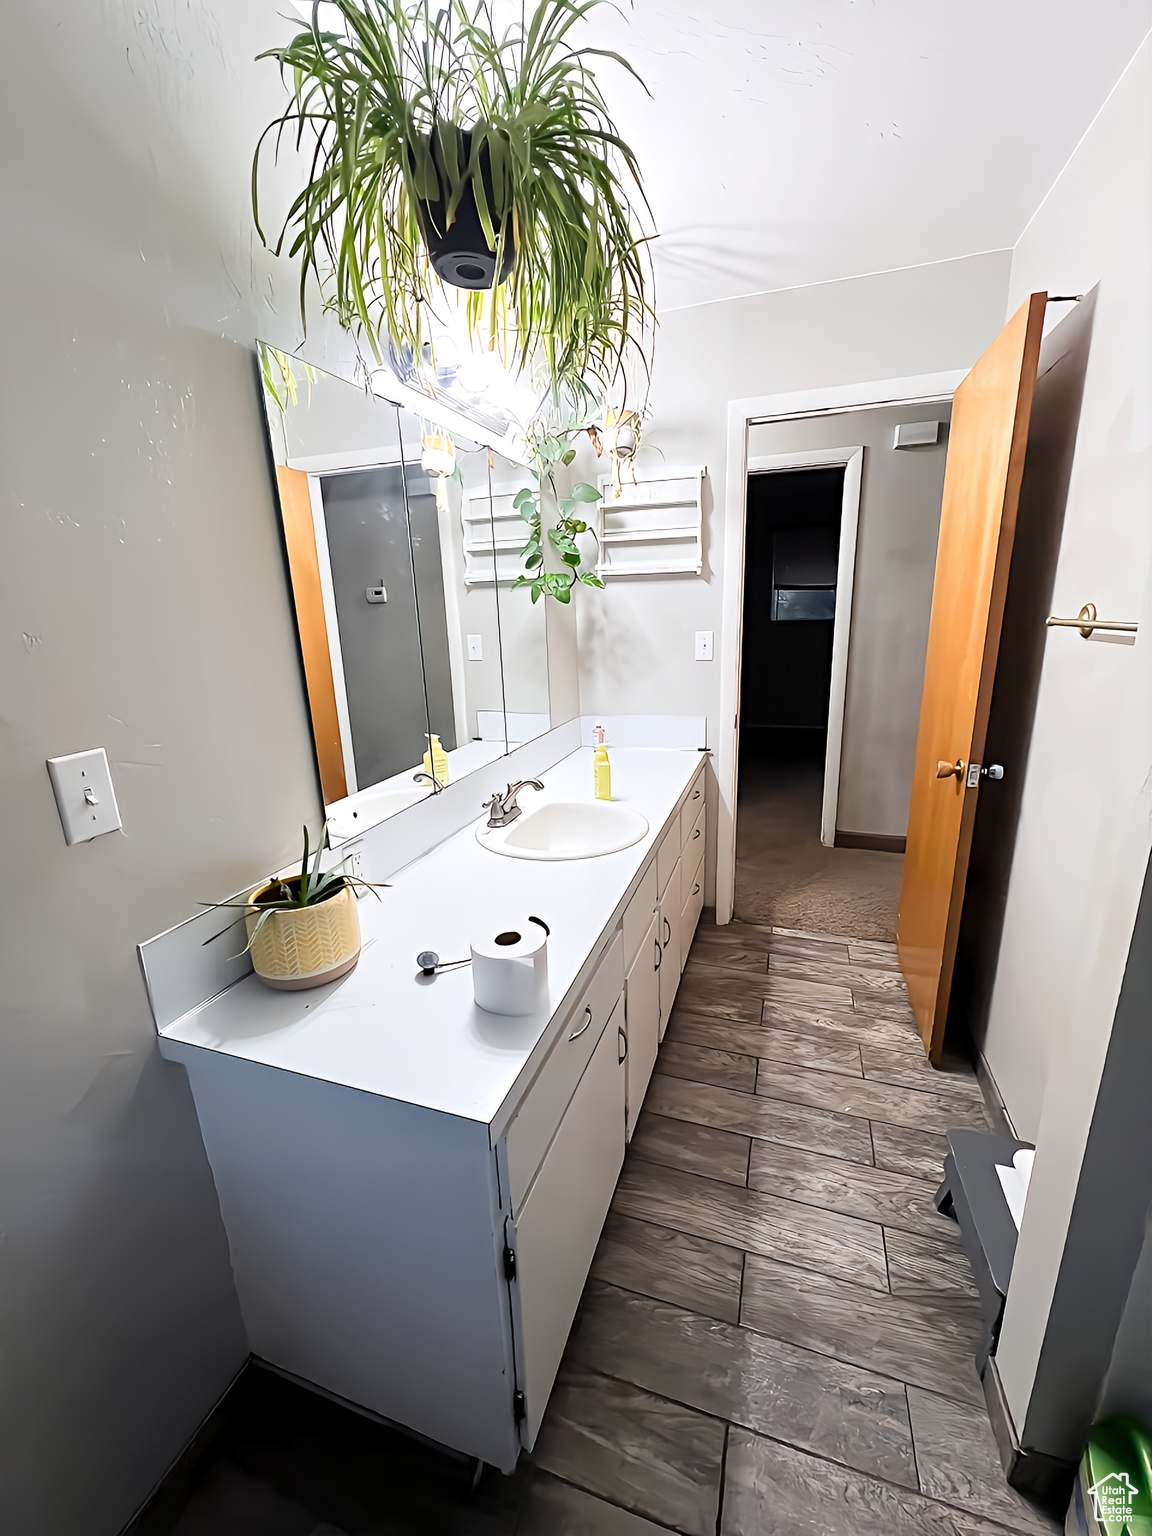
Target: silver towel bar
1086, 621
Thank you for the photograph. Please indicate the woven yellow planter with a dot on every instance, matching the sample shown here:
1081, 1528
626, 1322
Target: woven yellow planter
305, 946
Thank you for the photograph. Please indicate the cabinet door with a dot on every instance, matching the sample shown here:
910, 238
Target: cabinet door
690, 915
642, 1018
668, 919
556, 1233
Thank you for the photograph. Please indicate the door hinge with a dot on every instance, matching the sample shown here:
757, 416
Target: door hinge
519, 1407
509, 1262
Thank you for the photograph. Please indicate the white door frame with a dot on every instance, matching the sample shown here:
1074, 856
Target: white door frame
928, 388
852, 460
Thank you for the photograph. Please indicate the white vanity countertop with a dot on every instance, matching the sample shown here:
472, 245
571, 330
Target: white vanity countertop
387, 1030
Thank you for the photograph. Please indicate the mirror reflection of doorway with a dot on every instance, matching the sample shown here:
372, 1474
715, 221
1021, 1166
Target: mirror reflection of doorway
389, 594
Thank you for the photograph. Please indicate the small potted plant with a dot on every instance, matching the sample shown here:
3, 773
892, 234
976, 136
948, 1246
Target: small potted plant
303, 930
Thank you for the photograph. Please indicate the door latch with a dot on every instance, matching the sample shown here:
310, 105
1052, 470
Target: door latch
378, 594
509, 1262
992, 771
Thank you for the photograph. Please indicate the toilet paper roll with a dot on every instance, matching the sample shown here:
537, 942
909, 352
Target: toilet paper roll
510, 968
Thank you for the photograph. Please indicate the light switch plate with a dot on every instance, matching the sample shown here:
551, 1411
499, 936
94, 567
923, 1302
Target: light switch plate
704, 644
82, 784
475, 647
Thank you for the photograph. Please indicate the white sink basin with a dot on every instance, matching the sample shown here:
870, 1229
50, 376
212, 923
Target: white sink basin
566, 829
348, 818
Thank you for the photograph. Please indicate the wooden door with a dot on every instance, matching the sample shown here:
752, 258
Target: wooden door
987, 439
304, 568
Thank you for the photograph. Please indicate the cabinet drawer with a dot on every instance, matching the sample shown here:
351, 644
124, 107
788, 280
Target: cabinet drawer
690, 882
695, 797
534, 1124
692, 826
667, 856
638, 915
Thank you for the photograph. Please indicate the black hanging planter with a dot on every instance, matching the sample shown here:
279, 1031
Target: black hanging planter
460, 253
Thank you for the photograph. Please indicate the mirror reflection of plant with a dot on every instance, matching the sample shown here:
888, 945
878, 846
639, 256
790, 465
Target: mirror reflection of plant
307, 889
278, 371
405, 110
548, 453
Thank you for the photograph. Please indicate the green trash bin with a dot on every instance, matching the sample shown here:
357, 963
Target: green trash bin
1113, 1491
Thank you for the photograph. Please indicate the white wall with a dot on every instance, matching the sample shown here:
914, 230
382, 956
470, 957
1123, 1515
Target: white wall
636, 638
900, 494
1086, 816
143, 606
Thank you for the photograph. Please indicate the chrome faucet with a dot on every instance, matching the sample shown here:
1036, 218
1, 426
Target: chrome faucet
428, 778
503, 809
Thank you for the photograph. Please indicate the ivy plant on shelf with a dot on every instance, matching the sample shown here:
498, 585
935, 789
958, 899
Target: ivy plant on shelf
548, 453
440, 153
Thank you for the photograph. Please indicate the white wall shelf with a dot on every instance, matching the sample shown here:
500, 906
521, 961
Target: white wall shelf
654, 527
505, 533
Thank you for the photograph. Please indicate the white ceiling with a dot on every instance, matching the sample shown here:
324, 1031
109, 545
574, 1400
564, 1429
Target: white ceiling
798, 141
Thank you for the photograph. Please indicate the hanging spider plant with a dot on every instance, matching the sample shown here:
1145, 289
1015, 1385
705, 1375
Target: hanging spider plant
440, 153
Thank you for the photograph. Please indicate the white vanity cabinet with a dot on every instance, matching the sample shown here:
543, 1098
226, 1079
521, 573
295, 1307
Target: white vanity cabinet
413, 1191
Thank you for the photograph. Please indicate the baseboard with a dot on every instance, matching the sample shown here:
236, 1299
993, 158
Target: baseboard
164, 1505
1045, 1480
997, 1114
878, 842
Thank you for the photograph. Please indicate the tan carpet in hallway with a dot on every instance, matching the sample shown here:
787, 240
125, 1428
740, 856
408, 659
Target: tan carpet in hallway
785, 878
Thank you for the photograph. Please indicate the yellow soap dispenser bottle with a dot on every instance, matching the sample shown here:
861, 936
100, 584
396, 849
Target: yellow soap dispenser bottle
601, 767
436, 761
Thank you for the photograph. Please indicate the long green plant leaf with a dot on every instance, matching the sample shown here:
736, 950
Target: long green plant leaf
381, 108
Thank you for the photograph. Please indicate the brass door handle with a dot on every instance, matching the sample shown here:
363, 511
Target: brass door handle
950, 770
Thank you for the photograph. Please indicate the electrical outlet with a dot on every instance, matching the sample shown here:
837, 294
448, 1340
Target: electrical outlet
704, 644
82, 784
354, 865
475, 647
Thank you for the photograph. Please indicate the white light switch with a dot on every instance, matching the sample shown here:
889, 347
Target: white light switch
85, 798
704, 645
475, 647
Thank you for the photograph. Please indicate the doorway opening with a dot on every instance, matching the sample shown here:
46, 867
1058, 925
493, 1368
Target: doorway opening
792, 548
799, 560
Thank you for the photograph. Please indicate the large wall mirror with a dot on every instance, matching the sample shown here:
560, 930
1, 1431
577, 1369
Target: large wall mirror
402, 545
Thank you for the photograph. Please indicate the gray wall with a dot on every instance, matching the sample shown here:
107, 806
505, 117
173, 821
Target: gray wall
1128, 1385
1085, 828
900, 494
636, 638
143, 607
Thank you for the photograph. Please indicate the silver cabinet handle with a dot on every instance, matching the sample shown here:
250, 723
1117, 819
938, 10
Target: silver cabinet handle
623, 1045
659, 954
576, 1033
667, 932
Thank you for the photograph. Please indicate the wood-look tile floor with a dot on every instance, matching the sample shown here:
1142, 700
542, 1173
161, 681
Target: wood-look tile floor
778, 1332
777, 1335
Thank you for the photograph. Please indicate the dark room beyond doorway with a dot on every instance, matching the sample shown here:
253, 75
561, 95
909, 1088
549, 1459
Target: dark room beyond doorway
785, 876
